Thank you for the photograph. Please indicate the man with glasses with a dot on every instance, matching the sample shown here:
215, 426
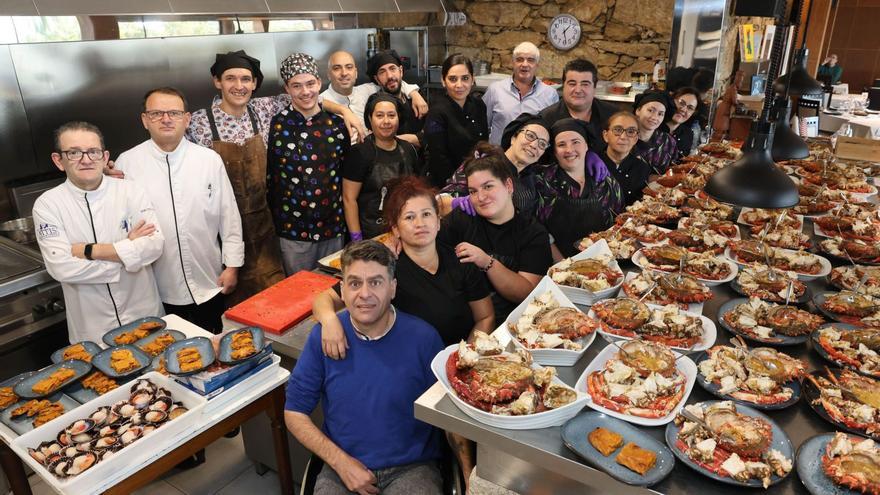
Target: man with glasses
98, 237
620, 134
196, 209
305, 170
521, 93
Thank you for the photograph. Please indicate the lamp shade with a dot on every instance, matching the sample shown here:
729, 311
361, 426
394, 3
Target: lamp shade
802, 83
787, 145
754, 180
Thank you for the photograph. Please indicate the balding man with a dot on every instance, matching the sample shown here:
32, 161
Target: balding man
342, 73
520, 93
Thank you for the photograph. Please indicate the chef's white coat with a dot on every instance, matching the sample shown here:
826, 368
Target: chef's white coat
197, 212
100, 295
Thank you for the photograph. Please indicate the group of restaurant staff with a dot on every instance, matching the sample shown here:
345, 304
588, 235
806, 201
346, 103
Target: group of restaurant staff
221, 203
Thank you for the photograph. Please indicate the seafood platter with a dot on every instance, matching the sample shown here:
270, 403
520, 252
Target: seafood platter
550, 327
850, 250
846, 399
629, 318
79, 450
684, 291
807, 266
706, 267
849, 346
850, 278
731, 443
849, 307
504, 389
624, 452
638, 381
589, 276
768, 323
695, 240
761, 377
771, 285
758, 217
726, 228
839, 464
863, 227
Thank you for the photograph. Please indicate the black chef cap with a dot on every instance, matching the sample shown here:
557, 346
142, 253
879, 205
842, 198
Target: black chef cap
658, 96
374, 99
518, 123
237, 60
380, 59
569, 124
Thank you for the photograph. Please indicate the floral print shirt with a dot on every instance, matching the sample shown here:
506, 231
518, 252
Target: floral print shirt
304, 175
553, 182
658, 152
235, 129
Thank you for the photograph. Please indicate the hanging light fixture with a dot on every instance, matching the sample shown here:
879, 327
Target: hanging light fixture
754, 180
797, 80
787, 144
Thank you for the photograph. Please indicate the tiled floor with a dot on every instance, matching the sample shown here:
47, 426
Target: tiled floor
226, 472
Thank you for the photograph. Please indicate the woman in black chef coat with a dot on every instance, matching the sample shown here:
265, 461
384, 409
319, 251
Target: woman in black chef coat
684, 122
511, 248
369, 166
456, 121
621, 133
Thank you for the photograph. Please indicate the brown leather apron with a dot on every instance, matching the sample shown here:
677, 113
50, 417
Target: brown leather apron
246, 168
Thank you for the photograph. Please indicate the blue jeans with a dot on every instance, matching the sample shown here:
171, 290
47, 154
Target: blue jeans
411, 479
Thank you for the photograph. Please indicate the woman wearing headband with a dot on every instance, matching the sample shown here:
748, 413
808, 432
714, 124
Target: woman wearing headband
657, 149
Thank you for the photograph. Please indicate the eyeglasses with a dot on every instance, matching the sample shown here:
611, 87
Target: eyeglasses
531, 137
682, 104
630, 131
156, 115
75, 155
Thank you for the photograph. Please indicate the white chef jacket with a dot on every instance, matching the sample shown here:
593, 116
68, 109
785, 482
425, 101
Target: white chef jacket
100, 295
197, 211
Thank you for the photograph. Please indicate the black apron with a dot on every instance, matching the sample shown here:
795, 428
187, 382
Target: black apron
374, 189
572, 219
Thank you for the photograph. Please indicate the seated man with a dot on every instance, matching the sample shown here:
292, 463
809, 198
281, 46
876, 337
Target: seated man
370, 441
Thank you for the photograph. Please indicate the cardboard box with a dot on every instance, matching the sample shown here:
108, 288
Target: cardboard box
853, 148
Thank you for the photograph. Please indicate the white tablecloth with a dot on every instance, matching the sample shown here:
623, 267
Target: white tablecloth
864, 127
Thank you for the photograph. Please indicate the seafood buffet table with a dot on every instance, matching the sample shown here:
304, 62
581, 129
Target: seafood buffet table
537, 461
261, 392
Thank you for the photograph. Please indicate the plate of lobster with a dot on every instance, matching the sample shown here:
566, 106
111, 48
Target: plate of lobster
770, 285
808, 266
849, 307
759, 217
588, 276
761, 377
502, 389
846, 399
782, 237
863, 229
839, 464
553, 330
851, 250
650, 210
849, 346
685, 291
619, 378
767, 323
723, 227
629, 318
732, 443
696, 240
709, 269
850, 278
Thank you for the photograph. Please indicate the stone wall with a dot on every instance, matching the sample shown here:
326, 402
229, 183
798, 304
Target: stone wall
619, 36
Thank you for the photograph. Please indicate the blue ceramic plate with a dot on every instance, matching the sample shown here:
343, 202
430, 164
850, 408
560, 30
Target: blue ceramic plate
778, 339
102, 361
176, 334
24, 388
805, 297
202, 344
10, 382
154, 364
811, 395
574, 436
814, 340
809, 467
109, 337
225, 356
713, 388
819, 299
780, 442
23, 424
90, 347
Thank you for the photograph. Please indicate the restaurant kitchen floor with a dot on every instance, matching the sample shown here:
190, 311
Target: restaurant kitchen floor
226, 471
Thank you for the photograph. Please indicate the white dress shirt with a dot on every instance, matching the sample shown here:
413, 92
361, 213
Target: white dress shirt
100, 295
197, 211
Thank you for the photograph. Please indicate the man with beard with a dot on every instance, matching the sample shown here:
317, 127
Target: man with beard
386, 69
343, 73
523, 92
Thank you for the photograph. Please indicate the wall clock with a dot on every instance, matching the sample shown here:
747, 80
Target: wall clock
564, 32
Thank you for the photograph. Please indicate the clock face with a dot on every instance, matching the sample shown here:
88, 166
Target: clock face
564, 32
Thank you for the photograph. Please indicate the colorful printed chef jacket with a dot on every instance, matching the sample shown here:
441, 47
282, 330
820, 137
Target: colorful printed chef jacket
304, 175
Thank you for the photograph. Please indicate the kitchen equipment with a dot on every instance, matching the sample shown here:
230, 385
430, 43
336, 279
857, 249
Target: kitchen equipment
20, 230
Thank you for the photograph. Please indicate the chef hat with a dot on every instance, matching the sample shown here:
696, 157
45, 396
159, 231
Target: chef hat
296, 64
378, 60
237, 60
568, 124
373, 100
660, 97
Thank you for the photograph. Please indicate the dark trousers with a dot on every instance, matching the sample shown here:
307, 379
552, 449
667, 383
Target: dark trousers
206, 315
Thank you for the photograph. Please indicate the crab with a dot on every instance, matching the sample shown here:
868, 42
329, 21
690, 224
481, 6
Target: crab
590, 274
686, 182
750, 250
753, 375
685, 288
761, 319
813, 206
850, 399
665, 255
670, 326
669, 195
761, 216
648, 357
697, 240
703, 222
850, 304
653, 211
622, 313
853, 463
783, 237
790, 321
770, 286
622, 247
710, 207
747, 436
849, 278
856, 249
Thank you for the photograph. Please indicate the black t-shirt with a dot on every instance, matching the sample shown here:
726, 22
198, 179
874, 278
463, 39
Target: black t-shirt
521, 244
632, 173
441, 299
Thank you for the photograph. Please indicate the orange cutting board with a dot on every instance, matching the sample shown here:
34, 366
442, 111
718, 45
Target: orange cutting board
284, 304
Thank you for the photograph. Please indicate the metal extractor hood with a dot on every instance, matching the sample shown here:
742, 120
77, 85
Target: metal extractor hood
241, 7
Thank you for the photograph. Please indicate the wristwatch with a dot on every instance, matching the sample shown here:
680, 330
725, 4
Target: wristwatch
87, 251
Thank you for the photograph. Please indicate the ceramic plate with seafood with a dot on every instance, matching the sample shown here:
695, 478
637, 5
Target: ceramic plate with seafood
759, 216
641, 382
723, 227
589, 276
839, 464
686, 292
808, 266
628, 319
767, 323
851, 250
849, 346
849, 307
772, 286
736, 444
707, 268
845, 399
849, 278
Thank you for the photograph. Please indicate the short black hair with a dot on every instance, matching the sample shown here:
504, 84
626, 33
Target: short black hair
580, 65
369, 250
453, 60
75, 125
494, 164
703, 80
166, 90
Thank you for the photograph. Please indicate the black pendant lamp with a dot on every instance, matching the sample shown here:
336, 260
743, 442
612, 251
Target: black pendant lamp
797, 81
787, 144
754, 180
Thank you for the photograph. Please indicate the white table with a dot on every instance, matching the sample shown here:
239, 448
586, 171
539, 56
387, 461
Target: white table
864, 127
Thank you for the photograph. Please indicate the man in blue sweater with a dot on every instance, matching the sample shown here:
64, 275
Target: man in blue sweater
370, 442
